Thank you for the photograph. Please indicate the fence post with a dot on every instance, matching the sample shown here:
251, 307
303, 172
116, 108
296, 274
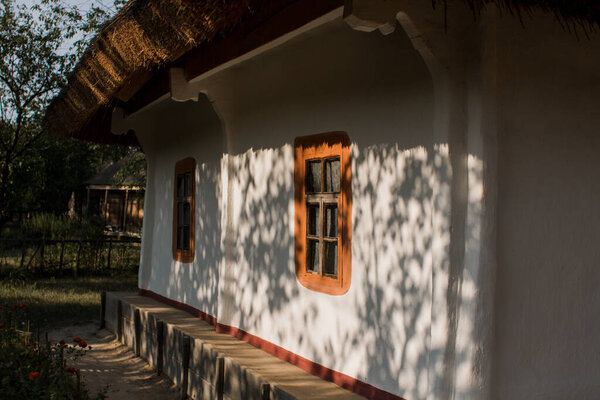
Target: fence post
98, 256
42, 256
103, 310
62, 254
23, 251
76, 270
109, 252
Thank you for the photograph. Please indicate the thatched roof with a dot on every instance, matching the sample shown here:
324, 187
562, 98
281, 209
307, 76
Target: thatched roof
571, 13
143, 35
147, 34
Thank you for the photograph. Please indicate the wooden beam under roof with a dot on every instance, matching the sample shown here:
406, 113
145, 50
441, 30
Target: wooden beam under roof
264, 27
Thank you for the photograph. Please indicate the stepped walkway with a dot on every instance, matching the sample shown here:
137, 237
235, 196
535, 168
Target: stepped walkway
206, 364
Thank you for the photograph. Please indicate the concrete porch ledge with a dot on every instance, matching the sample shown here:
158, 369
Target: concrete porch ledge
206, 364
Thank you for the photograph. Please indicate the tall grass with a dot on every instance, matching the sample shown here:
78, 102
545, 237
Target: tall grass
51, 226
56, 302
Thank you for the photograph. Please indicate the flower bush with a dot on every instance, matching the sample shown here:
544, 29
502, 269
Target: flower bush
32, 370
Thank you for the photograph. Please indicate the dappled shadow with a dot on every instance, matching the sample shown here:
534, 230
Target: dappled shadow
162, 129
393, 235
391, 329
259, 238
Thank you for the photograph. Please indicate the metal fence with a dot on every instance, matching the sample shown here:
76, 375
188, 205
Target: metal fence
58, 257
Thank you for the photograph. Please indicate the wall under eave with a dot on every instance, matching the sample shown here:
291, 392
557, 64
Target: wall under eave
378, 90
170, 132
475, 183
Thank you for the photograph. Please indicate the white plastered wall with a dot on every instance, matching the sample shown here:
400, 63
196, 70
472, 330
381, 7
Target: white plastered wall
170, 132
378, 90
431, 144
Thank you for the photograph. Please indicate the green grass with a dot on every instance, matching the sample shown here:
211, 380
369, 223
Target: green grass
56, 302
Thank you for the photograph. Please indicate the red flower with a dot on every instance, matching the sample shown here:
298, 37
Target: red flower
83, 344
77, 339
17, 305
62, 342
34, 375
1, 325
10, 313
71, 370
89, 347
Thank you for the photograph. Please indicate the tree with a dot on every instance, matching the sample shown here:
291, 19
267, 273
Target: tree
32, 69
39, 45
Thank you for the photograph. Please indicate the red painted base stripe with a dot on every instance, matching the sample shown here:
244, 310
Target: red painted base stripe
318, 370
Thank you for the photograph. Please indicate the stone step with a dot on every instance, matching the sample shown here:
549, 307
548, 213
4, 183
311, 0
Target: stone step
206, 364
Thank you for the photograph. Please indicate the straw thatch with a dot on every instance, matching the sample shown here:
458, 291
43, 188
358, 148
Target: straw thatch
571, 13
143, 35
149, 33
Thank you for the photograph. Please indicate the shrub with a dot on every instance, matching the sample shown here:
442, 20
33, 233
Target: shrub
30, 370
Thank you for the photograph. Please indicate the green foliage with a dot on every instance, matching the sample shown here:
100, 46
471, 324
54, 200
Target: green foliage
40, 42
32, 69
30, 370
51, 226
133, 171
52, 168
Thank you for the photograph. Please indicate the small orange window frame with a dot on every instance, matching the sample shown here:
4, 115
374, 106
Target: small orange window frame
183, 167
314, 147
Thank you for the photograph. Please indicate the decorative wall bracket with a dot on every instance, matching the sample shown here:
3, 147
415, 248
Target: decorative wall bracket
368, 15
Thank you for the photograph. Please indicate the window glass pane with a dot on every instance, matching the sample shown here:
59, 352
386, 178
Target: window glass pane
313, 219
313, 176
331, 219
313, 256
180, 185
331, 259
188, 185
179, 238
186, 214
332, 175
180, 214
186, 238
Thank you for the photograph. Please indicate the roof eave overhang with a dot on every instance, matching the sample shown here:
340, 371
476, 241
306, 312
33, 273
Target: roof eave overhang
144, 84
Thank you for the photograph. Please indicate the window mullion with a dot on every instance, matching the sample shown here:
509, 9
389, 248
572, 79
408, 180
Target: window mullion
322, 176
321, 234
322, 218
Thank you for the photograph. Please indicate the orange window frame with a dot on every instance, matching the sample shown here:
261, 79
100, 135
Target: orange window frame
182, 167
314, 147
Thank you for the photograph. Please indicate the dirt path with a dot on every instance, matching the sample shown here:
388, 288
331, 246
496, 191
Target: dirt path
113, 365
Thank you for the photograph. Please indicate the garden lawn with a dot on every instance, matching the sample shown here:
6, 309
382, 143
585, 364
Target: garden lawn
56, 302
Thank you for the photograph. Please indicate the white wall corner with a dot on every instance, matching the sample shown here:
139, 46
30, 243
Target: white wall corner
181, 88
368, 15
